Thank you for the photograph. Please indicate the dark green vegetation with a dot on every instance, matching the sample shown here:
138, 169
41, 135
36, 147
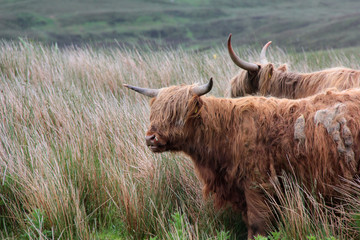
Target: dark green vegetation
308, 24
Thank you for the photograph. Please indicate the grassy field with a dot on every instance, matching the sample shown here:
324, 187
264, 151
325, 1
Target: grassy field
197, 24
74, 164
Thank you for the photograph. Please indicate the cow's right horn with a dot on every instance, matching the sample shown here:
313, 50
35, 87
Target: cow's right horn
252, 67
203, 89
145, 91
263, 59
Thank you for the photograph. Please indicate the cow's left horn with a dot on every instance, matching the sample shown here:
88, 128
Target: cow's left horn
263, 59
252, 67
203, 89
146, 91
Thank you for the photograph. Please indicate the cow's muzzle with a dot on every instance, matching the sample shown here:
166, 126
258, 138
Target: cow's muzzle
153, 143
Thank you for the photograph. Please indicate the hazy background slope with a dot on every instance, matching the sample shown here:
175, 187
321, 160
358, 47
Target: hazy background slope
307, 24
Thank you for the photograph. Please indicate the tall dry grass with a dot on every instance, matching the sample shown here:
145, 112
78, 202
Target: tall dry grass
73, 162
302, 213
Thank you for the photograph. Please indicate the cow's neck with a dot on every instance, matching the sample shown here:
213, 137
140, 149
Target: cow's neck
218, 150
217, 130
282, 85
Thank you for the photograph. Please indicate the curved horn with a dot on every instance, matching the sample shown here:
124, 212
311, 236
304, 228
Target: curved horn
263, 59
241, 63
203, 89
145, 91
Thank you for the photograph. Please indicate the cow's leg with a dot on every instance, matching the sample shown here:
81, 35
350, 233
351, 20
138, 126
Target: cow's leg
257, 212
245, 218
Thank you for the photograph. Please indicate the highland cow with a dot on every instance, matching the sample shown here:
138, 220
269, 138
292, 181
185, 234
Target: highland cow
264, 79
239, 146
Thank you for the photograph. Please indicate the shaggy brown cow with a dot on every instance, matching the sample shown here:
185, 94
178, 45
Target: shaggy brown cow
265, 79
239, 145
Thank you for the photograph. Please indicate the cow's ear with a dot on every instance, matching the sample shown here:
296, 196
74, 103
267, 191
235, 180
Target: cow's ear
266, 74
194, 107
270, 71
283, 68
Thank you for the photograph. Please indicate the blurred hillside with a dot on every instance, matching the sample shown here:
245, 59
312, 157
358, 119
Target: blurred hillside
197, 24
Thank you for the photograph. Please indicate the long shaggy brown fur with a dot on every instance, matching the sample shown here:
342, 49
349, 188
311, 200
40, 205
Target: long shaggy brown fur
281, 83
239, 145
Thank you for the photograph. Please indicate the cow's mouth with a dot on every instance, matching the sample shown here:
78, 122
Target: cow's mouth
157, 148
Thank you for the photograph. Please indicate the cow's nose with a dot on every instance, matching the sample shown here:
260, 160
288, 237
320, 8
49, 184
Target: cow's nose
149, 139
